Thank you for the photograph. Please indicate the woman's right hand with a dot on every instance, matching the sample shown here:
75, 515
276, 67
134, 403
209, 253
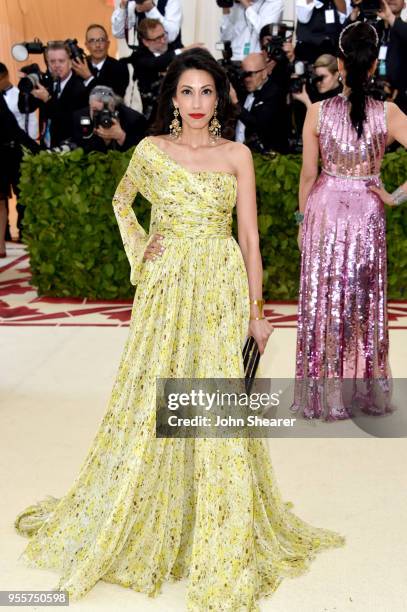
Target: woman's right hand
154, 249
383, 195
303, 97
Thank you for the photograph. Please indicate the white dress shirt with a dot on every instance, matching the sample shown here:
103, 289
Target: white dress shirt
171, 21
63, 84
240, 134
11, 98
304, 10
242, 26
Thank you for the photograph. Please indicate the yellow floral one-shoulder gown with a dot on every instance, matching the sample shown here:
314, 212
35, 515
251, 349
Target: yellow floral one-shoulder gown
143, 510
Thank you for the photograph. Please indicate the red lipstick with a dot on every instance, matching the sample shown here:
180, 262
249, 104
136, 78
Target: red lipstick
197, 115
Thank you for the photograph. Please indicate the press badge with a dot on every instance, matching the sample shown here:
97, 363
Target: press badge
246, 49
330, 16
383, 52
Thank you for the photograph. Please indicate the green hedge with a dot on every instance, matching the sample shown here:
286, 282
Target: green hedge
75, 246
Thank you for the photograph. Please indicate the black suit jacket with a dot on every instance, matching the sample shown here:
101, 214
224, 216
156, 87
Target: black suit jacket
147, 67
132, 122
12, 139
267, 121
317, 37
149, 71
396, 60
60, 110
114, 74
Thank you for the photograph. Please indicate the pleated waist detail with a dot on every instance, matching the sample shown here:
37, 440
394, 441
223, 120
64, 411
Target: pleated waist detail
203, 229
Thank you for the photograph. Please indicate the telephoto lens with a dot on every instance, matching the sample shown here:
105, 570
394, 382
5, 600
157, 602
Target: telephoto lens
33, 77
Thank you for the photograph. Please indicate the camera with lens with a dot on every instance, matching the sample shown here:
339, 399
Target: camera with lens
150, 97
304, 75
75, 52
105, 117
232, 68
33, 77
368, 9
379, 89
277, 35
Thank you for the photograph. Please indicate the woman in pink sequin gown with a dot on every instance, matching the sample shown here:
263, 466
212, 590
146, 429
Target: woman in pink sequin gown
342, 361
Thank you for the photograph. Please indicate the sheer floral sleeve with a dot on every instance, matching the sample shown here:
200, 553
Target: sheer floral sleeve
133, 235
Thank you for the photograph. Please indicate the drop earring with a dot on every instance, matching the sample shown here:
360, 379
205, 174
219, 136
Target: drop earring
215, 128
175, 125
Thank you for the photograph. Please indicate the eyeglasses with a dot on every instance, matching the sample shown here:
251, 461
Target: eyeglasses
157, 38
250, 73
93, 41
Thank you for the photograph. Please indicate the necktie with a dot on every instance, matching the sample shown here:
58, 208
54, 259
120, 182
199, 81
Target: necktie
57, 88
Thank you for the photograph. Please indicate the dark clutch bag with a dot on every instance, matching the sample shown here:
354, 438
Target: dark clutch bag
251, 358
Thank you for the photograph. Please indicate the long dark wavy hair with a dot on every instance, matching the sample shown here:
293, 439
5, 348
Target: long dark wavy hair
359, 52
197, 59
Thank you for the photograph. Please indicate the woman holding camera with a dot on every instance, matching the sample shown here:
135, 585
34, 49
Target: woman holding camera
342, 363
327, 83
146, 510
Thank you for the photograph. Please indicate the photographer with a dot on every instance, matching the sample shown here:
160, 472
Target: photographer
242, 23
319, 23
99, 68
325, 83
107, 123
129, 15
267, 38
277, 47
27, 122
392, 32
64, 95
262, 116
12, 139
151, 60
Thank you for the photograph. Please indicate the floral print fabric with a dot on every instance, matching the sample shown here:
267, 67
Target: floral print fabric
143, 510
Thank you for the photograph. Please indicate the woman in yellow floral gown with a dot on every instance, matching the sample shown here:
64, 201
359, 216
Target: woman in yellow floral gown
145, 510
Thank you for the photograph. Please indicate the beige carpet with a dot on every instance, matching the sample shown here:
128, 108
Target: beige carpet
55, 383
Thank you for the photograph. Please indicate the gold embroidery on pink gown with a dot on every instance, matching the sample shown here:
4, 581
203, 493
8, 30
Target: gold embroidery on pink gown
142, 510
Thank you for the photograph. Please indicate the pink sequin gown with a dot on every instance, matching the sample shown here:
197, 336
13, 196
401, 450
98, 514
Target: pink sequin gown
342, 343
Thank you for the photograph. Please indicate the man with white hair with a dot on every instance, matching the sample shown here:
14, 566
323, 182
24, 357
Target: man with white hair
242, 24
107, 123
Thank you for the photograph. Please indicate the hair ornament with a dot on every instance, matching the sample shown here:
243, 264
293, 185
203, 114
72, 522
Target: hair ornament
351, 25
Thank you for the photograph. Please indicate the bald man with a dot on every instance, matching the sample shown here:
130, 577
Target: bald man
263, 114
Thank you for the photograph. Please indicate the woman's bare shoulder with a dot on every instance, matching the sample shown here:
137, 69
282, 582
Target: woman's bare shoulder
160, 140
237, 152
